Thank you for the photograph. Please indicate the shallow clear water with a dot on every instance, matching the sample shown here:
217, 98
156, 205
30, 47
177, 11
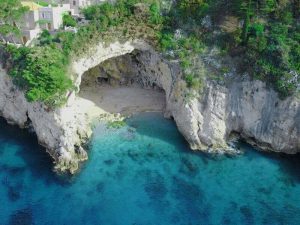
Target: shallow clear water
146, 175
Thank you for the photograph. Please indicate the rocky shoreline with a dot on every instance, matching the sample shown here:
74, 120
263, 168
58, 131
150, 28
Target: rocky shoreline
246, 107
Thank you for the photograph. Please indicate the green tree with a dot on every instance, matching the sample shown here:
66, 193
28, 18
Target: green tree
45, 38
41, 72
296, 8
11, 11
193, 8
69, 21
155, 17
246, 8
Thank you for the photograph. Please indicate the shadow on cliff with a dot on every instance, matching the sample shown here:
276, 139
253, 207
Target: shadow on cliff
37, 160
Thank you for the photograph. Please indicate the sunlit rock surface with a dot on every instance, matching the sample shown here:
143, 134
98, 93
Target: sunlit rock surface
207, 121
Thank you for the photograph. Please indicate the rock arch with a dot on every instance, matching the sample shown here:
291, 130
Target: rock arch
247, 107
102, 52
155, 69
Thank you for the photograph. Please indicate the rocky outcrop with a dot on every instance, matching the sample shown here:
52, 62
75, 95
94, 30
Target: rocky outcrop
100, 53
247, 108
207, 121
61, 131
244, 107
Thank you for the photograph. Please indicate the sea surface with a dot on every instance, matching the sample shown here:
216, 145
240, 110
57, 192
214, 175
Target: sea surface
143, 174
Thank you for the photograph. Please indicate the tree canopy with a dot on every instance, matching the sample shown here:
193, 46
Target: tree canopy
11, 11
41, 72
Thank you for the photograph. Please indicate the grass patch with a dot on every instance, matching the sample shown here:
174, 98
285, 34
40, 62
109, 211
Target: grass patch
116, 124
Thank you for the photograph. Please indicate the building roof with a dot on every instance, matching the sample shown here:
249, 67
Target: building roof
31, 5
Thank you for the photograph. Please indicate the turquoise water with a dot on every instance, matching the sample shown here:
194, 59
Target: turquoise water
144, 175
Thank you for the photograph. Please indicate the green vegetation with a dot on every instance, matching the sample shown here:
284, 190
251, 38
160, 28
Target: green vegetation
263, 34
11, 12
116, 124
45, 38
131, 19
41, 72
69, 21
45, 4
267, 38
192, 9
266, 35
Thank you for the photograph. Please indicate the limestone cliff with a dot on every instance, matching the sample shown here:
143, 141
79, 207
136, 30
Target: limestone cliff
61, 131
207, 121
247, 108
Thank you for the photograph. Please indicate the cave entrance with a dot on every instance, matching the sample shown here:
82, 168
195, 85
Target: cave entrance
125, 84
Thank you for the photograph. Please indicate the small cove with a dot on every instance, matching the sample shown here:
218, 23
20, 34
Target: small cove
146, 174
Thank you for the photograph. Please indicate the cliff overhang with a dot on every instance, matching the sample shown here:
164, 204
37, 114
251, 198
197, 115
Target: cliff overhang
207, 121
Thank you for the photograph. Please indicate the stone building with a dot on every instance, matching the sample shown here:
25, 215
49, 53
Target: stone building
75, 5
39, 18
29, 25
51, 18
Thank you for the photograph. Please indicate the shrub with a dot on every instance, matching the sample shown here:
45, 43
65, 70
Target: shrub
268, 43
116, 124
45, 38
167, 41
155, 17
46, 4
66, 39
41, 72
192, 81
69, 21
257, 29
193, 9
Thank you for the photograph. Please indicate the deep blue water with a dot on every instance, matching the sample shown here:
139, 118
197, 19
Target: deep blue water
146, 175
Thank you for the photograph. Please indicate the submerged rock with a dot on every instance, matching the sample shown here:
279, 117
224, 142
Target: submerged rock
23, 217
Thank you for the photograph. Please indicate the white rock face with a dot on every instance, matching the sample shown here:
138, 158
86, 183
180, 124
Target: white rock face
257, 113
61, 131
246, 107
64, 130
